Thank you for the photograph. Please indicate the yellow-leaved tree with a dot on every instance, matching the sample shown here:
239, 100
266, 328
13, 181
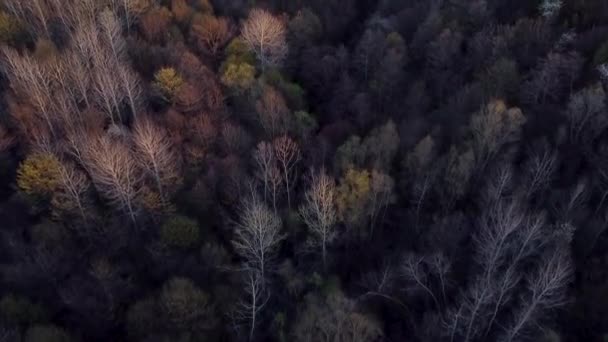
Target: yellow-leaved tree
352, 196
168, 82
39, 175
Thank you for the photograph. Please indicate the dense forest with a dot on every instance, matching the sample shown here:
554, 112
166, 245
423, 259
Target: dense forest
303, 170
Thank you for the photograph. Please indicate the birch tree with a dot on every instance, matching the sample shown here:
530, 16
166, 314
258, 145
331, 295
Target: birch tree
288, 155
265, 35
257, 235
547, 290
114, 173
74, 185
319, 211
156, 154
29, 77
255, 299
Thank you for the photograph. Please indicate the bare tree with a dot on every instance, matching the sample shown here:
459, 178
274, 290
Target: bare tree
275, 180
335, 318
79, 133
111, 32
586, 114
500, 182
265, 35
74, 186
508, 239
131, 85
547, 290
257, 235
16, 8
576, 199
234, 137
256, 298
80, 76
603, 70
129, 10
114, 172
414, 271
265, 161
381, 195
493, 127
319, 211
552, 79
156, 154
98, 49
6, 139
36, 12
107, 89
27, 76
288, 155
540, 169
273, 112
497, 226
529, 238
204, 131
420, 191
83, 12
268, 172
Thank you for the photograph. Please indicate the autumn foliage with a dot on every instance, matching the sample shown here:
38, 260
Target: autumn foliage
336, 170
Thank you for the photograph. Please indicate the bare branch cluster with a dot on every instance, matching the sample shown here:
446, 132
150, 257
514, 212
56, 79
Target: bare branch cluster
156, 154
319, 210
257, 235
265, 35
114, 172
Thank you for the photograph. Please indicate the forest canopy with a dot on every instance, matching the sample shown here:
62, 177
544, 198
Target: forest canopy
289, 170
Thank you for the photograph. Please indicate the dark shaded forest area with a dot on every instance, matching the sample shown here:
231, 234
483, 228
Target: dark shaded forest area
303, 170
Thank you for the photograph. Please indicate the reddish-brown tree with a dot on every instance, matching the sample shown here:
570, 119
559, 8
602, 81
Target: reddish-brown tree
272, 112
210, 33
6, 139
154, 24
203, 132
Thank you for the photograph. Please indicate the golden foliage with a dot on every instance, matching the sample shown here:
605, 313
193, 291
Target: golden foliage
9, 28
168, 82
39, 174
238, 75
352, 195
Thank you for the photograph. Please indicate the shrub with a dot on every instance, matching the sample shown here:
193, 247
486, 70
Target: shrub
185, 305
601, 55
20, 310
180, 232
142, 317
46, 333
